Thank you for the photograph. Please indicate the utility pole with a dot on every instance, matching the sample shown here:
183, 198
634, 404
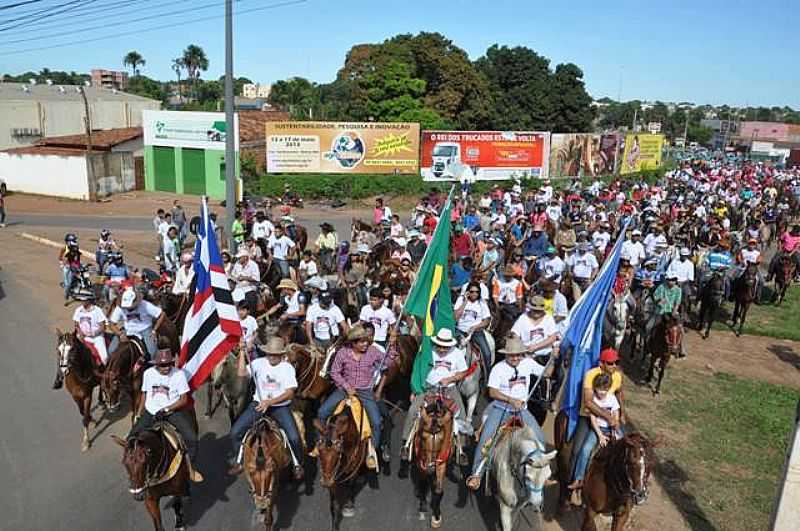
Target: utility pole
230, 131
87, 122
633, 125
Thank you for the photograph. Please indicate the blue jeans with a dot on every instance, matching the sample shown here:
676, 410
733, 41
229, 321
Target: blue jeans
281, 414
100, 258
283, 266
369, 404
583, 444
497, 414
67, 278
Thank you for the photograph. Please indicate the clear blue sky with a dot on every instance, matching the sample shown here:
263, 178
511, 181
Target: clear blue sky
704, 51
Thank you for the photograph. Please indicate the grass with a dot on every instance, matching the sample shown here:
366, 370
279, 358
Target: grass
779, 322
725, 445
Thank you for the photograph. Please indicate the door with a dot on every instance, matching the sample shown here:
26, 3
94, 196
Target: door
138, 173
164, 165
194, 171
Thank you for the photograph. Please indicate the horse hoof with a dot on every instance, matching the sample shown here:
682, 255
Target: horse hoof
181, 528
422, 516
348, 512
436, 523
85, 447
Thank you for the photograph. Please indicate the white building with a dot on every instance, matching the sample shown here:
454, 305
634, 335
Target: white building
29, 112
256, 90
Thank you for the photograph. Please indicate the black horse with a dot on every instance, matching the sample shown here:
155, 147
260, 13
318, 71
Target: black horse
711, 295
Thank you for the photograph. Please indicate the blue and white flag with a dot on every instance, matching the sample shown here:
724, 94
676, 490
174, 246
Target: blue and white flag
584, 332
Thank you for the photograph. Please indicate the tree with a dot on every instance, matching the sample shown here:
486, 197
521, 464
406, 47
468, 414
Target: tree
298, 96
209, 91
149, 88
570, 103
701, 135
194, 61
177, 67
134, 60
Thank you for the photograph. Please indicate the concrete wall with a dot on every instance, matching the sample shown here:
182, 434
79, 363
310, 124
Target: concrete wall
112, 173
135, 146
54, 118
46, 175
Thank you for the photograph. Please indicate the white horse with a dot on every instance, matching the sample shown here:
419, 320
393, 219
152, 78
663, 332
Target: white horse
615, 325
470, 387
520, 462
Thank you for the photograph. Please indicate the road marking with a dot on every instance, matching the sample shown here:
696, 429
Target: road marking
51, 243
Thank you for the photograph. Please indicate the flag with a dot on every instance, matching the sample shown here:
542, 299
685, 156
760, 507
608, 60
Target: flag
212, 326
584, 332
429, 298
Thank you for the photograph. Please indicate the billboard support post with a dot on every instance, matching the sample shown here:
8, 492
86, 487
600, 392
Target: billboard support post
231, 133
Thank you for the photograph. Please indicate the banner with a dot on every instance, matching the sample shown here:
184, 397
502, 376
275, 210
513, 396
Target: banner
342, 147
200, 130
642, 152
484, 155
574, 155
609, 152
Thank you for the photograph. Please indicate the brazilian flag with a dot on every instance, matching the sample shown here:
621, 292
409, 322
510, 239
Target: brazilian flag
429, 298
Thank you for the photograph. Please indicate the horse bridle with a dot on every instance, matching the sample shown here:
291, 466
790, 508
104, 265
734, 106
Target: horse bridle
150, 479
637, 496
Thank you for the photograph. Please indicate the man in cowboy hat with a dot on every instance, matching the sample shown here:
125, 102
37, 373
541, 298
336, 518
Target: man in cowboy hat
294, 304
720, 261
509, 383
275, 383
138, 318
90, 327
166, 395
325, 246
246, 275
536, 329
353, 371
551, 266
448, 367
184, 275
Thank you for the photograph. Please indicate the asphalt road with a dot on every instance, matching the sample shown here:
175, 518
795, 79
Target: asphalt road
48, 484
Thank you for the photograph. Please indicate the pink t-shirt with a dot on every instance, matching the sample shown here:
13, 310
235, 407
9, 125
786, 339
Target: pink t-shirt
789, 242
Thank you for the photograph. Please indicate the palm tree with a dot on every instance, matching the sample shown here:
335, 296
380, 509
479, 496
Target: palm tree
177, 67
133, 59
195, 61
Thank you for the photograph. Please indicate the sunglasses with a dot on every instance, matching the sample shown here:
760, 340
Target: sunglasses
164, 365
611, 363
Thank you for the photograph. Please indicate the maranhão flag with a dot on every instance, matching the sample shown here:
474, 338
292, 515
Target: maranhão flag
212, 327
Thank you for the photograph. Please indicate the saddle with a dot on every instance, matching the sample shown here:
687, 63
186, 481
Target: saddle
175, 440
138, 346
358, 414
273, 426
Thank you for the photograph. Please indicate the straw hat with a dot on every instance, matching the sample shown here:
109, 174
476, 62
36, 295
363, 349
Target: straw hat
444, 338
274, 347
356, 333
514, 345
287, 283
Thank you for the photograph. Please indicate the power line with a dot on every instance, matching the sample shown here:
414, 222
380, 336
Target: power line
18, 4
112, 24
150, 29
87, 12
47, 12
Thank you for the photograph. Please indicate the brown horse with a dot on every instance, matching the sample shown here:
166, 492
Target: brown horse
357, 226
745, 292
124, 373
156, 469
617, 479
265, 457
76, 369
433, 444
664, 343
233, 389
176, 307
342, 457
783, 277
569, 289
307, 363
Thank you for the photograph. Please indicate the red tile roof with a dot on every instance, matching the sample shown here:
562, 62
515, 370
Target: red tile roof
46, 150
101, 140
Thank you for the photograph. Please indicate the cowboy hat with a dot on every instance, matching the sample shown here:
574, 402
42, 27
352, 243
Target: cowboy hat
287, 283
241, 253
356, 333
163, 356
444, 338
128, 299
536, 303
514, 345
274, 347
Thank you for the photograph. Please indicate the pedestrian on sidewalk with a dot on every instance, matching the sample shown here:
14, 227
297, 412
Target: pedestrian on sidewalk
179, 220
2, 210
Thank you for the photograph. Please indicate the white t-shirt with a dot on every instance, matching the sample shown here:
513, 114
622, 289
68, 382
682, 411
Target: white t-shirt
325, 323
633, 251
262, 229
272, 380
507, 291
600, 240
683, 268
474, 313
280, 246
609, 403
553, 268
381, 319
530, 332
511, 382
89, 321
249, 328
484, 291
163, 390
750, 256
446, 366
308, 268
583, 264
250, 270
293, 303
137, 320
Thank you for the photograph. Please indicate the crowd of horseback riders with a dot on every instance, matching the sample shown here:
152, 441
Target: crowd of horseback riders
326, 342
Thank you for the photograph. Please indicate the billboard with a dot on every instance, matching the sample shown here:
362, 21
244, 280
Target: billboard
342, 147
642, 152
484, 155
201, 130
573, 155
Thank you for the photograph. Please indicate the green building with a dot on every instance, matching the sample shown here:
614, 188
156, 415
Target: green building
184, 152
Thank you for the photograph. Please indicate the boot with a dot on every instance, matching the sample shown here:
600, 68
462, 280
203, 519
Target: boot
402, 473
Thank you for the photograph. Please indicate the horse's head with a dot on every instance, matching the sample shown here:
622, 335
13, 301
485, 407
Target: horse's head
330, 447
138, 454
66, 350
534, 469
639, 463
111, 381
261, 470
436, 424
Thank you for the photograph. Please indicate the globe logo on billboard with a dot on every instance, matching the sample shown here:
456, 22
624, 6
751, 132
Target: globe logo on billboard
347, 150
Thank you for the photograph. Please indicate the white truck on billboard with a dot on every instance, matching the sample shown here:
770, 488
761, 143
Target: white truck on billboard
447, 161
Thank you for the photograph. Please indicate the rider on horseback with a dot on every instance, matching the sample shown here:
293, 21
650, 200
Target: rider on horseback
275, 383
70, 260
508, 385
472, 317
789, 246
718, 261
166, 392
449, 366
747, 256
90, 327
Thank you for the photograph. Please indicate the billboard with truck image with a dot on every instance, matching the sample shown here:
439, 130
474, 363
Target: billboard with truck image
484, 155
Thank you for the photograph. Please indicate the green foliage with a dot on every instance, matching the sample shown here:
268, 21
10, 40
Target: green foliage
146, 87
133, 59
209, 91
298, 96
58, 77
700, 134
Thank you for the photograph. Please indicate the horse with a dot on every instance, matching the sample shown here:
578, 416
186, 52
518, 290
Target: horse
124, 372
643, 320
615, 324
664, 343
76, 369
307, 362
520, 458
784, 274
569, 289
470, 386
234, 389
432, 448
710, 300
150, 461
176, 307
357, 226
265, 457
617, 479
745, 291
342, 456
